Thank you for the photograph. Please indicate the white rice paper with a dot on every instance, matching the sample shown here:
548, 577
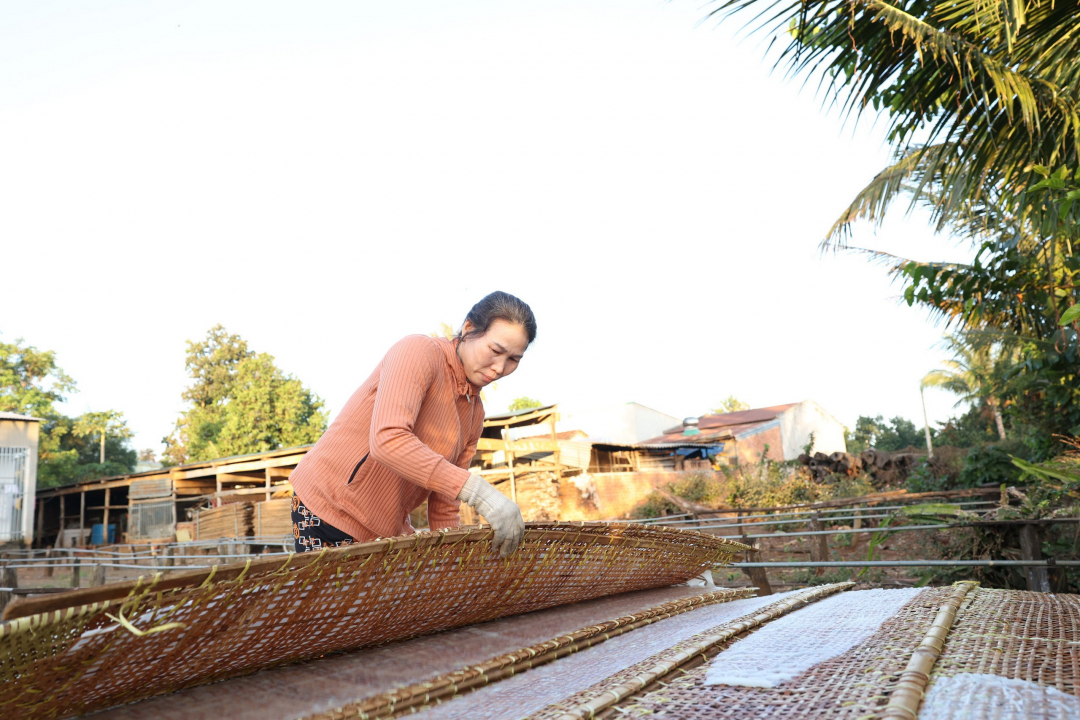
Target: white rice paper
794, 643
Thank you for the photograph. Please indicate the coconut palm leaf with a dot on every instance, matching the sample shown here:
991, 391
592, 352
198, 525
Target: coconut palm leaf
991, 85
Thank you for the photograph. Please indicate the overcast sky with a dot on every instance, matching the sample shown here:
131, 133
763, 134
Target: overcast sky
324, 178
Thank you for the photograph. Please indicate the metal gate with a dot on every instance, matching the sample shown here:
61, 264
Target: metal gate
13, 468
152, 519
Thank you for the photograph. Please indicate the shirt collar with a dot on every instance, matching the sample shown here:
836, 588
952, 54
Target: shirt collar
457, 370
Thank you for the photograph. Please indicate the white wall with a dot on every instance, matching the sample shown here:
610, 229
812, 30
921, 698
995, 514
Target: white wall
21, 433
796, 424
624, 423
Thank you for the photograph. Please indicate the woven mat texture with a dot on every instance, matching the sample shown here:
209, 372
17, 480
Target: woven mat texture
1017, 635
970, 696
840, 623
852, 685
532, 691
322, 684
162, 634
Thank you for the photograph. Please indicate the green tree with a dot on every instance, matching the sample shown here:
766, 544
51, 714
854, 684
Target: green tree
977, 372
524, 403
890, 436
240, 403
30, 380
730, 404
268, 409
103, 425
30, 384
971, 94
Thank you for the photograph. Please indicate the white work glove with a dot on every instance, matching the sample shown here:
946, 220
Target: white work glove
501, 512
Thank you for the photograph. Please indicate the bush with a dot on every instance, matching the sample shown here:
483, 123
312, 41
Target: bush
990, 464
941, 472
702, 488
771, 484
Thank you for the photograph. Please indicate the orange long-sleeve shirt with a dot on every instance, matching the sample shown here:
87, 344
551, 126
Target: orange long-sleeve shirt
405, 436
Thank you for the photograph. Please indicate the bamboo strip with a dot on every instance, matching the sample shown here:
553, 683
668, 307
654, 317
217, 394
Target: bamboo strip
905, 699
446, 686
617, 694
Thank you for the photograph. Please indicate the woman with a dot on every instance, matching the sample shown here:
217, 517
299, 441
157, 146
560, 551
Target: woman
409, 434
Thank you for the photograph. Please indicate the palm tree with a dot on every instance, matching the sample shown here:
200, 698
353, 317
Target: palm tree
972, 92
977, 372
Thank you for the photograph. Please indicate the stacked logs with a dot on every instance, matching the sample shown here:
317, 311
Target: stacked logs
872, 462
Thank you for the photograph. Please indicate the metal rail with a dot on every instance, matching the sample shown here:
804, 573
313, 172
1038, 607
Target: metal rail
889, 529
906, 563
668, 521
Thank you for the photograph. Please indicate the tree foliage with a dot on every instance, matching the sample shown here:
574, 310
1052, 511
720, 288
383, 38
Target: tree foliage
982, 106
31, 383
730, 404
240, 402
978, 372
524, 403
888, 435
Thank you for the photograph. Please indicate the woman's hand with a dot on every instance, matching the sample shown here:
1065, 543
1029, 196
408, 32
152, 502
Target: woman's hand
501, 512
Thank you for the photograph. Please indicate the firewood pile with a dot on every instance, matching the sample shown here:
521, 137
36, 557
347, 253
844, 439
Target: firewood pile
273, 518
876, 463
228, 521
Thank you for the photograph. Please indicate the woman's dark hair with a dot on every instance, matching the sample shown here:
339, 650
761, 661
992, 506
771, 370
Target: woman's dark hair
500, 306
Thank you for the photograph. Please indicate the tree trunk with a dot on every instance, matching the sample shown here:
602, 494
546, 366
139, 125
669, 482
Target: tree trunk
993, 402
102, 447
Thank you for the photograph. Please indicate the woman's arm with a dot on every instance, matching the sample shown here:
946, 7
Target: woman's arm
408, 371
445, 511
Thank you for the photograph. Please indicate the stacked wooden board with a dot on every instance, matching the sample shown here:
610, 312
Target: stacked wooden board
228, 521
273, 518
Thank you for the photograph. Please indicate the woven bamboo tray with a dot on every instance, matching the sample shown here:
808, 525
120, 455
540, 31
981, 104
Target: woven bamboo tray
90, 649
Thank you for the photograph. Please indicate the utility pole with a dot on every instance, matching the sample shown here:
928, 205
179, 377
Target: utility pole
102, 461
926, 423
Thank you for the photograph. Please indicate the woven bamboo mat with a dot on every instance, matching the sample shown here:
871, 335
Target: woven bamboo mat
323, 684
855, 684
87, 650
534, 690
1031, 641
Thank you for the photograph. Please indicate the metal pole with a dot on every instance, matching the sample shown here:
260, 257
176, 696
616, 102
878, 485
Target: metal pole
911, 563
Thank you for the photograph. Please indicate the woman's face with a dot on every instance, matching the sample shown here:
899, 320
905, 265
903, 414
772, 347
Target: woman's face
493, 355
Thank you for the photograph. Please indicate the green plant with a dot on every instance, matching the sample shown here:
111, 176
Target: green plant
986, 465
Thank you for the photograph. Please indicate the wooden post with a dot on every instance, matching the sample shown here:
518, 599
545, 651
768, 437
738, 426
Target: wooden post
857, 525
60, 538
819, 546
510, 464
75, 571
267, 484
48, 558
40, 539
8, 579
217, 495
166, 557
98, 577
1031, 549
758, 576
82, 515
555, 439
105, 522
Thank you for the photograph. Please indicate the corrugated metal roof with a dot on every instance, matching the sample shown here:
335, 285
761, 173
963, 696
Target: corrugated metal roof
720, 427
515, 413
191, 466
17, 416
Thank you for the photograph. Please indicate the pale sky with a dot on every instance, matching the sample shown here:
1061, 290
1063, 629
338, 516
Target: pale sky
324, 178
